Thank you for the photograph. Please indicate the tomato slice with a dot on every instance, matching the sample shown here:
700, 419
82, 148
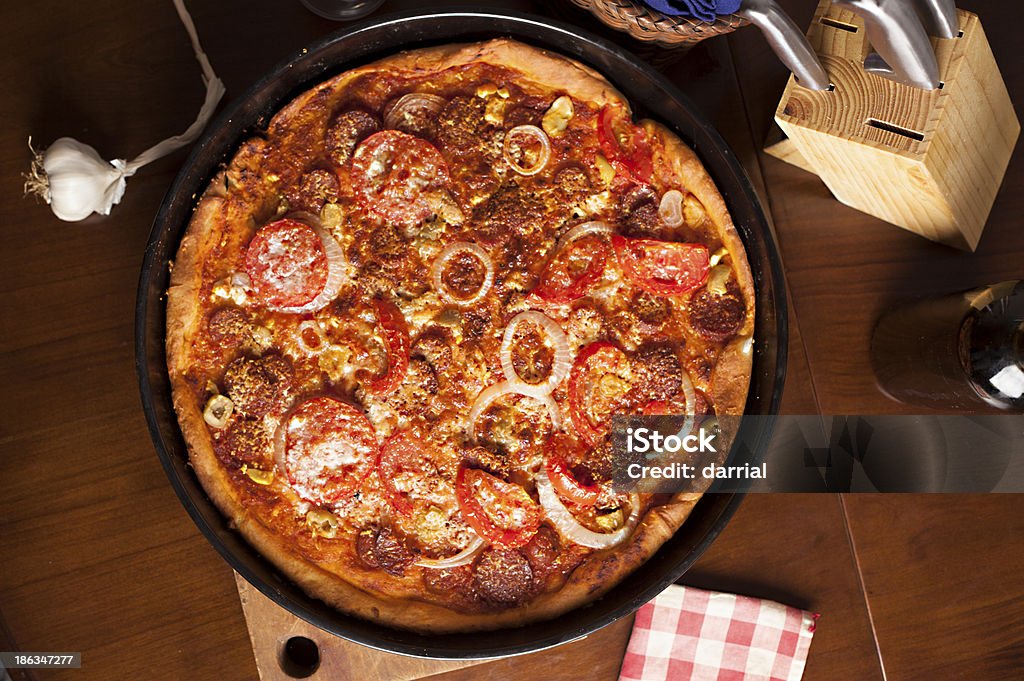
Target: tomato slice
396, 339
395, 174
625, 144
329, 449
574, 271
664, 268
562, 478
286, 264
593, 393
500, 512
401, 458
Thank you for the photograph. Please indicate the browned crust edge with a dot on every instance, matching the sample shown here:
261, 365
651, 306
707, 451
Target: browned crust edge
599, 572
731, 378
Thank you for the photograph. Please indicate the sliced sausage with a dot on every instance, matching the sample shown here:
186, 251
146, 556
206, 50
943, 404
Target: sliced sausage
384, 549
461, 121
542, 552
387, 245
246, 441
345, 133
508, 212
503, 577
716, 317
255, 386
448, 581
527, 111
316, 188
640, 206
658, 372
651, 309
229, 326
391, 553
464, 274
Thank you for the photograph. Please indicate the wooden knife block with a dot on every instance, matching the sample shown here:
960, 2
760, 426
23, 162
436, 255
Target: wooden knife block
928, 161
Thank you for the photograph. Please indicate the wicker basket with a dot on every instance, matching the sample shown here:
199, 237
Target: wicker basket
643, 23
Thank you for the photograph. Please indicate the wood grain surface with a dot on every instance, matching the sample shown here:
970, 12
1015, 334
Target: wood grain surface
96, 553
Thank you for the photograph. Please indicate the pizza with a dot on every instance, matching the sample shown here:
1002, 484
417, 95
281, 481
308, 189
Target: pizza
403, 315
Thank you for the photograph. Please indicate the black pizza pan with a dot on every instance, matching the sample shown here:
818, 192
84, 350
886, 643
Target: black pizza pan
651, 96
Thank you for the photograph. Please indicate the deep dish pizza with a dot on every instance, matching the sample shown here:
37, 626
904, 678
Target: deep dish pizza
401, 319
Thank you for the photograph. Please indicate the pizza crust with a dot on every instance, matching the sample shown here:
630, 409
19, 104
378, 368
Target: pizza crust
599, 572
731, 377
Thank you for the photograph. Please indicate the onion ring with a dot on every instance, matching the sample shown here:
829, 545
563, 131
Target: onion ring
487, 397
407, 104
559, 368
670, 210
539, 136
582, 230
449, 252
463, 557
310, 324
280, 434
570, 528
691, 404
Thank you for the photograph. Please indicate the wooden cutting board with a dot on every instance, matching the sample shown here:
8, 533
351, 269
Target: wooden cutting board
271, 627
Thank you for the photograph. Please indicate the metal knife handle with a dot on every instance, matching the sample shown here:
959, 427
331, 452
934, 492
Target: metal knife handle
905, 53
939, 17
787, 40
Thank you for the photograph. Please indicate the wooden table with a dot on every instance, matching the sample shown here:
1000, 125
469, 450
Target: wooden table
96, 553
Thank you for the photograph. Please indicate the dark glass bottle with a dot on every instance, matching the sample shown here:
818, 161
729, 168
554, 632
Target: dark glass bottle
959, 352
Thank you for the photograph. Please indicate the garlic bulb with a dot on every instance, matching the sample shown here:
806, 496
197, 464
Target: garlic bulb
75, 180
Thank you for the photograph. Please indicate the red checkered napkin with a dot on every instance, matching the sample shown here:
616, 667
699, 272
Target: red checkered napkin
687, 634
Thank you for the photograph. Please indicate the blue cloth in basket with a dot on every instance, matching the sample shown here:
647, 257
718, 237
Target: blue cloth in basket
705, 10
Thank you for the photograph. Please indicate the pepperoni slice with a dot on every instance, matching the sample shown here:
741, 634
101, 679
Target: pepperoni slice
287, 264
329, 448
395, 174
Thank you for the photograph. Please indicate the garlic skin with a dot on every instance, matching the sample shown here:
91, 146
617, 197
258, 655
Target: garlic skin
78, 182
